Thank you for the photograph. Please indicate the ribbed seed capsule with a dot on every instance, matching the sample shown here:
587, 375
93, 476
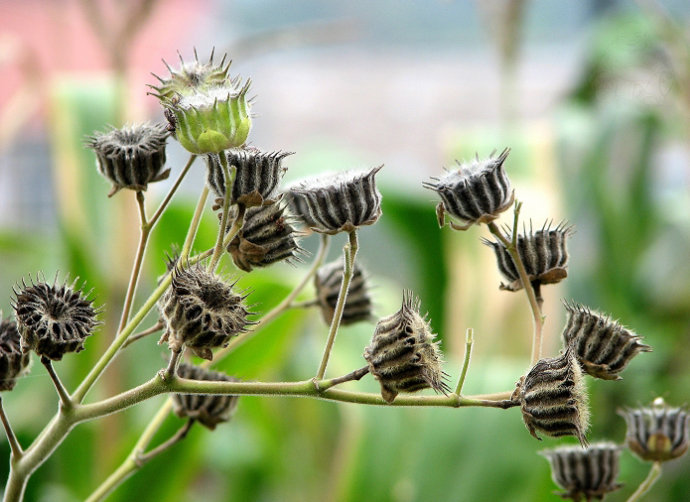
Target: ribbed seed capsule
657, 433
327, 282
207, 409
53, 319
298, 206
543, 253
266, 237
131, 157
341, 202
588, 473
553, 398
602, 346
202, 311
13, 362
476, 192
402, 354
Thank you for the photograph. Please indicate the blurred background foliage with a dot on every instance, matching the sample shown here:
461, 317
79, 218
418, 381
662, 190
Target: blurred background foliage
594, 101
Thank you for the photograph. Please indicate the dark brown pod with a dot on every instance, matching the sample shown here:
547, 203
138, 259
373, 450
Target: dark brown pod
13, 362
358, 305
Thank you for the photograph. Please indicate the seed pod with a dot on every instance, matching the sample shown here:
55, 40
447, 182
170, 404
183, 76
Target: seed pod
589, 472
257, 175
602, 346
402, 354
202, 312
299, 207
266, 237
553, 398
207, 409
131, 157
53, 319
341, 202
13, 362
657, 433
327, 282
477, 192
543, 253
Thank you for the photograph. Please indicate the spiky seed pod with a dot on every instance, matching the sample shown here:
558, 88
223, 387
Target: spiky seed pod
202, 311
657, 433
358, 305
256, 177
209, 410
588, 473
266, 237
341, 202
476, 192
402, 354
602, 346
543, 253
13, 362
53, 319
192, 77
131, 157
211, 120
553, 398
298, 206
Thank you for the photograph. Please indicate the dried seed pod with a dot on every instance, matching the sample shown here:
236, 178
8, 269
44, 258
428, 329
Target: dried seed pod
553, 398
266, 237
192, 77
602, 346
202, 311
207, 409
657, 433
257, 175
53, 319
299, 207
588, 473
131, 157
402, 354
13, 362
543, 253
477, 192
341, 202
327, 282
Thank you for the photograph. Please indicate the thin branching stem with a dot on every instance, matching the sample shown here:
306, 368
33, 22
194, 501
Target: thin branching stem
167, 444
193, 227
11, 438
142, 334
646, 485
353, 375
65, 400
469, 340
159, 212
218, 250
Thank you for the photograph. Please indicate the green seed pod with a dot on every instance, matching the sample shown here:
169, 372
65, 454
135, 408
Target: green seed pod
327, 281
13, 362
402, 354
192, 77
208, 409
602, 346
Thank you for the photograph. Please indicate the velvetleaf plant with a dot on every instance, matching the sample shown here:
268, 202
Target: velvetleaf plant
261, 223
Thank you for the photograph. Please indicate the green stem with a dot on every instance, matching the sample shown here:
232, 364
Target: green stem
156, 216
218, 250
645, 486
193, 227
350, 253
15, 447
65, 400
469, 340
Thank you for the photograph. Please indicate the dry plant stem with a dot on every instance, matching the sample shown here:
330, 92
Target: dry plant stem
65, 400
218, 250
350, 253
646, 485
353, 375
469, 340
11, 438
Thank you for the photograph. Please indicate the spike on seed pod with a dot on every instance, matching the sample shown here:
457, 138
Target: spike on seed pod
358, 305
208, 409
131, 157
553, 398
476, 192
53, 319
588, 473
543, 253
202, 311
402, 354
13, 361
657, 433
340, 202
602, 346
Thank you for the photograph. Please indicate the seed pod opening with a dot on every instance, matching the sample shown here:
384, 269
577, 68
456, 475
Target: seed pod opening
402, 354
192, 77
602, 346
543, 253
208, 409
131, 157
657, 433
202, 311
13, 362
340, 202
588, 473
53, 319
476, 192
553, 398
358, 305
